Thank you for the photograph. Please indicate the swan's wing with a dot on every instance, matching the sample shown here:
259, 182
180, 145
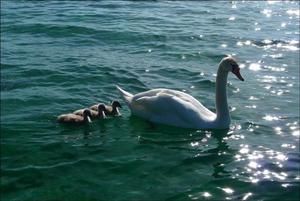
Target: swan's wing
175, 93
188, 98
167, 106
149, 93
189, 109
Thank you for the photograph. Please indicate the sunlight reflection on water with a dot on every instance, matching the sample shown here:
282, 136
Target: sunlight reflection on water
254, 67
271, 118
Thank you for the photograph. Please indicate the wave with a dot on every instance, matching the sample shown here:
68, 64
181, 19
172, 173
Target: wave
48, 29
59, 30
262, 43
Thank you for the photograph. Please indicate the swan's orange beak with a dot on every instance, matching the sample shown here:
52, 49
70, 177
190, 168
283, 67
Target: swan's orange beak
237, 73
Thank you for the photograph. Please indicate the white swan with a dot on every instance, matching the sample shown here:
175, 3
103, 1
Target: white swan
179, 109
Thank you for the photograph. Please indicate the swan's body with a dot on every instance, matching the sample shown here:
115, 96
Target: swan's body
177, 108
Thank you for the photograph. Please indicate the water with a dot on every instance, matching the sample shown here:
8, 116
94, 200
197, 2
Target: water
60, 56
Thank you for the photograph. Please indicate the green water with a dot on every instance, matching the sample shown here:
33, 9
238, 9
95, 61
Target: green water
57, 57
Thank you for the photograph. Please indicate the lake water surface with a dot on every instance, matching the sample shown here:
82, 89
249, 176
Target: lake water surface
60, 56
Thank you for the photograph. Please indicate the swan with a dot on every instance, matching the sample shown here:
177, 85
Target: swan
110, 109
176, 108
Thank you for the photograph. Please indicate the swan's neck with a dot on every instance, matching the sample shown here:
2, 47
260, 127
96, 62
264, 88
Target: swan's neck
222, 110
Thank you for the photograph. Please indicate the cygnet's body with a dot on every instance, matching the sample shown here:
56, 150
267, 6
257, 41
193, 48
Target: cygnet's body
99, 112
75, 119
111, 110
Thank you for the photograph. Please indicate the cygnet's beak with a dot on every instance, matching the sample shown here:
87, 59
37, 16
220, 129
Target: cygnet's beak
89, 119
118, 112
237, 73
103, 114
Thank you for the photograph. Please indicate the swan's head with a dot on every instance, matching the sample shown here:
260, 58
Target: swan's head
87, 115
229, 64
116, 104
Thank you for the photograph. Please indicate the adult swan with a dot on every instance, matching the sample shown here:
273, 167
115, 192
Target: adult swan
176, 108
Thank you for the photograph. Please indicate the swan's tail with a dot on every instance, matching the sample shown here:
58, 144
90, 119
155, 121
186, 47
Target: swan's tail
126, 96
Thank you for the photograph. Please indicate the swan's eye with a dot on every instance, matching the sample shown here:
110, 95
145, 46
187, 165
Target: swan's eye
234, 66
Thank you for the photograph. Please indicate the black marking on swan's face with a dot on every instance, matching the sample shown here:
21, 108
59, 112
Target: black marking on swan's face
230, 63
235, 69
234, 66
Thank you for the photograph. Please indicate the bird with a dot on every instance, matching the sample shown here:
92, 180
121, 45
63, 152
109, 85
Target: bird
176, 108
111, 110
75, 119
98, 113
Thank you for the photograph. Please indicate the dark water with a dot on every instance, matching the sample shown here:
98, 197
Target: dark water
60, 56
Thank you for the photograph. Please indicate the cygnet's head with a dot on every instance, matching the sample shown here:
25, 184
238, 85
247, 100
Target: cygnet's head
87, 114
101, 110
101, 107
116, 104
229, 64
